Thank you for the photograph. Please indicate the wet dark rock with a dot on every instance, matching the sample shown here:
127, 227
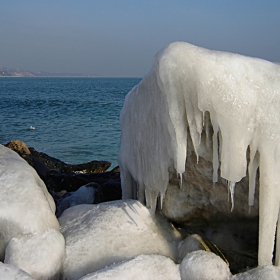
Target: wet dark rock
53, 163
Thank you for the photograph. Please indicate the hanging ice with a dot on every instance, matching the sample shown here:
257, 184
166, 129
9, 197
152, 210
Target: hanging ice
241, 95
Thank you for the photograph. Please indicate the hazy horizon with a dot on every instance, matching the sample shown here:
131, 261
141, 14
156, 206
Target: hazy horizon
120, 38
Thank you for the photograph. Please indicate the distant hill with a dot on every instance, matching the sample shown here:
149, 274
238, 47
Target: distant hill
8, 72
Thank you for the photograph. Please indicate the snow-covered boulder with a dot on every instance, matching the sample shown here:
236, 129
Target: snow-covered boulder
148, 267
40, 255
204, 265
260, 273
10, 272
28, 226
100, 235
84, 195
197, 94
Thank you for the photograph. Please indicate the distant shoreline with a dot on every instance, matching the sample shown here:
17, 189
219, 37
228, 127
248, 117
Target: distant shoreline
17, 73
85, 77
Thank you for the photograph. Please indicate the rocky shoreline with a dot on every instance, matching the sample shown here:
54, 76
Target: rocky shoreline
64, 180
92, 183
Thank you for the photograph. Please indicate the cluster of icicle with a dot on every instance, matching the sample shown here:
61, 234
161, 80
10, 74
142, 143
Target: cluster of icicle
188, 89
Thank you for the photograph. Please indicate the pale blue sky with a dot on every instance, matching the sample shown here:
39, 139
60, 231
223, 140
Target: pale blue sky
120, 37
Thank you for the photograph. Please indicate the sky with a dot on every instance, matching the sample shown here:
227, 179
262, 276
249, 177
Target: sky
119, 38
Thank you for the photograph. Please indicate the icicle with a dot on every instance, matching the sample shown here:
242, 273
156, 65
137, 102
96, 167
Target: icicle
277, 249
141, 195
252, 170
181, 179
179, 175
231, 187
215, 152
199, 120
151, 199
203, 117
161, 200
135, 188
194, 118
207, 129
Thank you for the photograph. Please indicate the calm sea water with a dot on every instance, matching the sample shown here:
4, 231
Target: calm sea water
76, 119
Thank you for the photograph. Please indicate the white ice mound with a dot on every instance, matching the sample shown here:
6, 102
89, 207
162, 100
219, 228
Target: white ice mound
100, 235
84, 195
10, 272
148, 267
260, 273
28, 224
204, 265
40, 255
191, 89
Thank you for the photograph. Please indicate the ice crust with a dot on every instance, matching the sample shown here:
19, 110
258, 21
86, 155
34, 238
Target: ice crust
10, 272
259, 273
204, 265
148, 267
188, 90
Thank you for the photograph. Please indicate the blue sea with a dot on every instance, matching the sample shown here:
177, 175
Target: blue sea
76, 119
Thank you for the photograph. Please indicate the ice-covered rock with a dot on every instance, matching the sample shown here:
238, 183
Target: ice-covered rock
148, 267
40, 255
29, 230
233, 99
84, 195
204, 265
260, 273
10, 272
100, 235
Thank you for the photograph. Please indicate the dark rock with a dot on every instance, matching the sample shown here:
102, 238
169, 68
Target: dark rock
109, 184
111, 190
116, 169
48, 161
90, 167
53, 163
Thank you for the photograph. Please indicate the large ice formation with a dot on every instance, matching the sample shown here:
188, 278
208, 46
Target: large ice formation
100, 235
29, 231
188, 90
